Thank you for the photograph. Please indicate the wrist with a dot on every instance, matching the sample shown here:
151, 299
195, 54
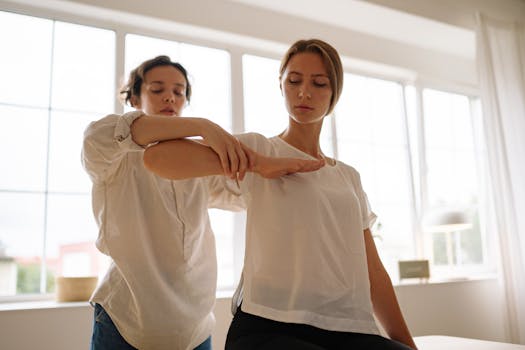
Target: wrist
257, 163
197, 126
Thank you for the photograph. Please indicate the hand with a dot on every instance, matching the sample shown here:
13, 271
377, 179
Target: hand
274, 167
233, 158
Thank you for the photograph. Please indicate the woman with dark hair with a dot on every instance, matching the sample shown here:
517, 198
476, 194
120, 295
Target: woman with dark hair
159, 291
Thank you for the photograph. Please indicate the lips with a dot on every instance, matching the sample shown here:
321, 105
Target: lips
169, 111
304, 108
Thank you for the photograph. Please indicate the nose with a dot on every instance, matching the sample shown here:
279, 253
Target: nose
170, 98
304, 92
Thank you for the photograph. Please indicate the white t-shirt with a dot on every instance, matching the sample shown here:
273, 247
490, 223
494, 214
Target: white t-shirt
160, 288
305, 259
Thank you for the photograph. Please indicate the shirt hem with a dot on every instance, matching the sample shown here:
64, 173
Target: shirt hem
319, 321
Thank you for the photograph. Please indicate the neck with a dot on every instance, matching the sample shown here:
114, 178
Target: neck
304, 137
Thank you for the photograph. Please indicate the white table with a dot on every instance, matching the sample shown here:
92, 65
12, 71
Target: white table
440, 342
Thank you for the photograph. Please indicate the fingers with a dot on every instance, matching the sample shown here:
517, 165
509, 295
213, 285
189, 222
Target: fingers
303, 165
312, 165
225, 162
234, 160
243, 161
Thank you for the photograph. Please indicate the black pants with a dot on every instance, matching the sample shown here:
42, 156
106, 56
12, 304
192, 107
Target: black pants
249, 332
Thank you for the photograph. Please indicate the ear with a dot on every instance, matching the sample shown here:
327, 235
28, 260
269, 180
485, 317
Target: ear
281, 87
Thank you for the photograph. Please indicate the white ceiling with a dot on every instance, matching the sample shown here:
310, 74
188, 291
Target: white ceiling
379, 21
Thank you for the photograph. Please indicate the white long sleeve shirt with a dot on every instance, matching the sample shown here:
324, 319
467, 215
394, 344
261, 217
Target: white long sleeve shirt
160, 288
305, 258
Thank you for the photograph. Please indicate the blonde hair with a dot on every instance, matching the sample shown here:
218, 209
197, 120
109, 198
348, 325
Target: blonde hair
331, 59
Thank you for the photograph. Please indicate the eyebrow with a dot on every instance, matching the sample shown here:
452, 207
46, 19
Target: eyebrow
313, 75
162, 83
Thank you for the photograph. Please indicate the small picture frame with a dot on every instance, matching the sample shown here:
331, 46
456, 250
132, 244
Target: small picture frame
414, 269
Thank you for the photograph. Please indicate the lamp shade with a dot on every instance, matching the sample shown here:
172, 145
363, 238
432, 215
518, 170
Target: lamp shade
446, 220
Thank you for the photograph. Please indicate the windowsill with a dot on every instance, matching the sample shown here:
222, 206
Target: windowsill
47, 302
42, 304
443, 280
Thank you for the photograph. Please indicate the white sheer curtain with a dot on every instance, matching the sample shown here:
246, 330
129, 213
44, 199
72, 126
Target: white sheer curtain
501, 68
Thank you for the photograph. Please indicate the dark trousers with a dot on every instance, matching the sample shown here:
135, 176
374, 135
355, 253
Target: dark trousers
249, 332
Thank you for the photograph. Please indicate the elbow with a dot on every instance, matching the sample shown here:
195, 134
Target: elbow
150, 159
155, 160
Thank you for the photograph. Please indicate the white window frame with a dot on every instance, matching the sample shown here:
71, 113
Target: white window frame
236, 51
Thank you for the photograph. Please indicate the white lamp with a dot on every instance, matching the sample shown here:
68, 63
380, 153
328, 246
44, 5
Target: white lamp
450, 222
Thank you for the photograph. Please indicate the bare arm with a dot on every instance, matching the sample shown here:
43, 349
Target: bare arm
182, 159
149, 129
384, 301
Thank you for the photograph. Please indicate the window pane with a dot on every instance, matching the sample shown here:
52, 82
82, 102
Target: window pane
140, 48
83, 68
23, 138
21, 242
326, 138
371, 137
452, 177
211, 87
354, 122
222, 225
264, 107
451, 162
71, 234
25, 62
66, 173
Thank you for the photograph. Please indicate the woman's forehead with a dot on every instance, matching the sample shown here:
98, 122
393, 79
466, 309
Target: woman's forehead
164, 75
307, 63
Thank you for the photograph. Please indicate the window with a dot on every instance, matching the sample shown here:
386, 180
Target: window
46, 101
453, 181
372, 137
413, 146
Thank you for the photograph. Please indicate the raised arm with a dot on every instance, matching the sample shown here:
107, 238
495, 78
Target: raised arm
384, 301
183, 159
150, 129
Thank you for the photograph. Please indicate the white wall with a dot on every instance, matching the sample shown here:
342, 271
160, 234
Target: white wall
264, 30
466, 309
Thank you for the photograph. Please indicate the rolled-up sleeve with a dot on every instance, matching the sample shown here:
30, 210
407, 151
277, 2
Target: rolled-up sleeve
106, 141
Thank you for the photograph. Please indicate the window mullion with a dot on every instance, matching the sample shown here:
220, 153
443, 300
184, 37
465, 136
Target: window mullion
333, 132
43, 265
423, 189
415, 208
120, 52
237, 92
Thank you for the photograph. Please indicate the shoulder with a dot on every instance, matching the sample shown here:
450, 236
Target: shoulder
107, 121
254, 140
349, 172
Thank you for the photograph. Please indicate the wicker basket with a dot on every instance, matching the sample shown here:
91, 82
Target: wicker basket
75, 288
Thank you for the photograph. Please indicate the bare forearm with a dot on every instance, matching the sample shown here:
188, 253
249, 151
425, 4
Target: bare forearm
182, 159
386, 308
149, 129
384, 300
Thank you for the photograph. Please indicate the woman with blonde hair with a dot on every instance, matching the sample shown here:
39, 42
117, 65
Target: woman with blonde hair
312, 276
